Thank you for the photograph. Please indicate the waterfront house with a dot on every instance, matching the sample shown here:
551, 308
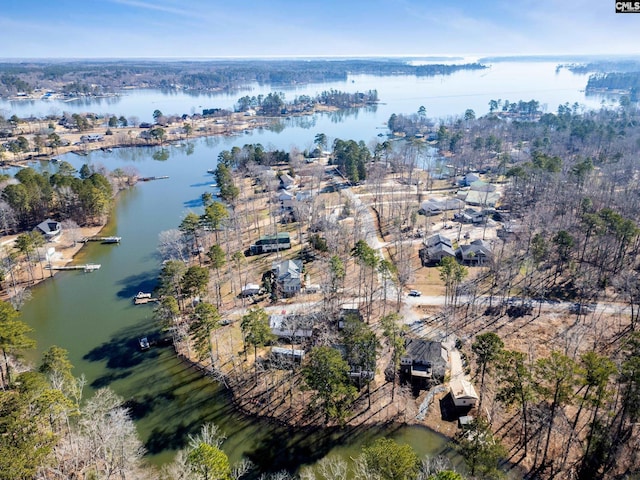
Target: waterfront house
424, 359
271, 243
91, 138
50, 229
288, 276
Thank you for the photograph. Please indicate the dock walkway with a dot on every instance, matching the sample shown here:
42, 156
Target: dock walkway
102, 239
89, 267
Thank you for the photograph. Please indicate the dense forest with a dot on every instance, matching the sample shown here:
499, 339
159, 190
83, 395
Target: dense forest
211, 75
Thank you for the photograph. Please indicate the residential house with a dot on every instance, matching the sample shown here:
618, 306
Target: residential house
91, 138
271, 243
436, 207
476, 253
50, 229
286, 199
463, 393
288, 276
436, 248
468, 179
469, 215
291, 326
424, 359
481, 194
287, 181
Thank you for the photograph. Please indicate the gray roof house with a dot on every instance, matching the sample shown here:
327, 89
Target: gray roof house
285, 198
50, 229
288, 276
291, 326
435, 249
424, 359
476, 253
287, 181
435, 206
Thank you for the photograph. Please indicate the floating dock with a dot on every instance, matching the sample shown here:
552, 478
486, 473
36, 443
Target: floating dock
89, 267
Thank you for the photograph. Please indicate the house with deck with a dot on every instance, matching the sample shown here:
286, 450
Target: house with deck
424, 360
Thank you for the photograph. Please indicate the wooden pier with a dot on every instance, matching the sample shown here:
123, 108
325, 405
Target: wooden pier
141, 298
142, 301
102, 239
89, 267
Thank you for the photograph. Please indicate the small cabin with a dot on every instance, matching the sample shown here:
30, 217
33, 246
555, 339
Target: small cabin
250, 289
287, 354
463, 393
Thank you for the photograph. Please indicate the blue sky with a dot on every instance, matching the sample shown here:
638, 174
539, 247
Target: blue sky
251, 28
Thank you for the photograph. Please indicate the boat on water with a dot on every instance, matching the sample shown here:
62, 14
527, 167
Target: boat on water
211, 170
140, 295
144, 343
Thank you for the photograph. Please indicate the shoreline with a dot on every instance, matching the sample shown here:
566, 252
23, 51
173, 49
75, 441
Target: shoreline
68, 253
135, 136
383, 411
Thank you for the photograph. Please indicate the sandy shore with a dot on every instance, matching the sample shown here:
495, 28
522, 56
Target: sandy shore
65, 251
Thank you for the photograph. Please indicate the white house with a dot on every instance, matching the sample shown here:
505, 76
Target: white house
463, 393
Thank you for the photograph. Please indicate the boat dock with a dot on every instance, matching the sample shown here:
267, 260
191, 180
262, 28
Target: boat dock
89, 267
102, 239
141, 298
148, 179
142, 301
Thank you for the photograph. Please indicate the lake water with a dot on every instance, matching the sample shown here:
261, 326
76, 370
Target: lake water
92, 315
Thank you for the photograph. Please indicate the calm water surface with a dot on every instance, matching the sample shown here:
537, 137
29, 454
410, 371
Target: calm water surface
93, 317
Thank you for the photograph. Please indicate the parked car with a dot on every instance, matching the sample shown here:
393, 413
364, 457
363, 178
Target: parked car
414, 293
582, 308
